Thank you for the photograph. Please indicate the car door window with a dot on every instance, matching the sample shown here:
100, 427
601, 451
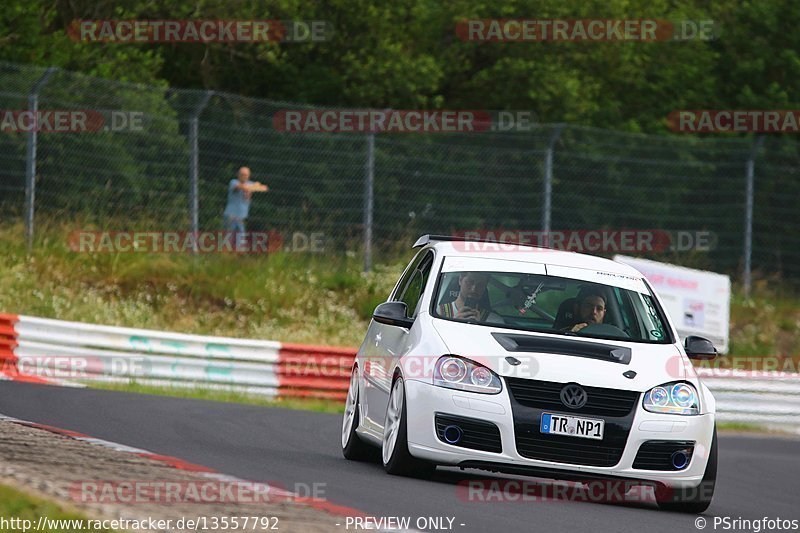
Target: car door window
399, 289
412, 292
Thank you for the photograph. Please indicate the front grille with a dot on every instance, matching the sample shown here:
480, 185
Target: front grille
657, 454
476, 434
531, 398
547, 395
533, 444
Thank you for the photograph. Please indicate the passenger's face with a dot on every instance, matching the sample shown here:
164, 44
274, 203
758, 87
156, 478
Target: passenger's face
472, 286
592, 310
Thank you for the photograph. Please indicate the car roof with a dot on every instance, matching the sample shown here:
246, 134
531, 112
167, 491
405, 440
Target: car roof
530, 254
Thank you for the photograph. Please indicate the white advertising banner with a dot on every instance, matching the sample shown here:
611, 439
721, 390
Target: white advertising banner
698, 302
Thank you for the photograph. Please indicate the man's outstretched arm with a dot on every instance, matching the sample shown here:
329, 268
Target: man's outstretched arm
251, 187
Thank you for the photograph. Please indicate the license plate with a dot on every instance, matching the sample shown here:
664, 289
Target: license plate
572, 426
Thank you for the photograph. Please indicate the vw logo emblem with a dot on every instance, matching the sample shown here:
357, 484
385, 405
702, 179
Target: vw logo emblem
573, 396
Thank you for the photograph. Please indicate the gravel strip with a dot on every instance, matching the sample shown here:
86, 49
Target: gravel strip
66, 470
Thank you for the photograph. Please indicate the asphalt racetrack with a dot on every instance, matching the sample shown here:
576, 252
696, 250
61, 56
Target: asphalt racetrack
758, 476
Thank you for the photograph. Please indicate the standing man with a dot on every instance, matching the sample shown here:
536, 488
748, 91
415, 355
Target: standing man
240, 190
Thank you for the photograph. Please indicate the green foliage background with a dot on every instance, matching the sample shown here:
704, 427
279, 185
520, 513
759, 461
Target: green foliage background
404, 54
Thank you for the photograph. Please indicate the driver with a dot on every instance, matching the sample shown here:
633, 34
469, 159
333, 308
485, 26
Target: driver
590, 308
472, 286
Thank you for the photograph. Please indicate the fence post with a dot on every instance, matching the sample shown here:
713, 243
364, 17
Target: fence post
748, 223
194, 166
30, 156
369, 177
548, 182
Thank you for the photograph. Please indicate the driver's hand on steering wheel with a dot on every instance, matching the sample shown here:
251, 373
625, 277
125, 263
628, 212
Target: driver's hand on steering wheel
577, 327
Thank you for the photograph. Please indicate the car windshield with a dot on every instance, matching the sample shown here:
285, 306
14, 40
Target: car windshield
549, 304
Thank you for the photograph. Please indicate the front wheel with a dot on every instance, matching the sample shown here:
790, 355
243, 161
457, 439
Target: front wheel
396, 458
353, 447
693, 500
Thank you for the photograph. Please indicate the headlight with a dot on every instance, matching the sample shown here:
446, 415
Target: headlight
678, 398
455, 372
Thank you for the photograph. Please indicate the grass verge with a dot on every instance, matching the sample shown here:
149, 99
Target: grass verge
231, 396
22, 507
746, 427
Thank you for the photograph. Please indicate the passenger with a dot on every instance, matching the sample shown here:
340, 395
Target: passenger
467, 306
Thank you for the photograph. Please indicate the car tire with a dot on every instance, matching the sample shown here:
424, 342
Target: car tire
694, 500
353, 448
395, 455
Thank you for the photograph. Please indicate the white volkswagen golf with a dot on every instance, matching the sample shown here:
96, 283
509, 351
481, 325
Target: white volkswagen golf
532, 361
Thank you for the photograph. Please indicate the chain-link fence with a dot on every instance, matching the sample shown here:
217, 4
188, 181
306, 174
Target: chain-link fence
369, 192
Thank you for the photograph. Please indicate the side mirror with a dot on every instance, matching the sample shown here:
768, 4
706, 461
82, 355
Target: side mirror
393, 314
699, 348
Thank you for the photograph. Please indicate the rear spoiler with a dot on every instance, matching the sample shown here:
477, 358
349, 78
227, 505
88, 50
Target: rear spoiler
427, 239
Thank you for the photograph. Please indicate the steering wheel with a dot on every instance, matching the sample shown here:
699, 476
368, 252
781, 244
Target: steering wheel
606, 330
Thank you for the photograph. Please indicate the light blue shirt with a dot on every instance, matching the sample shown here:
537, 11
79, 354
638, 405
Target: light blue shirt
238, 206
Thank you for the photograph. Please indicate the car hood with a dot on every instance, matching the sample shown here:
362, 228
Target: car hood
653, 364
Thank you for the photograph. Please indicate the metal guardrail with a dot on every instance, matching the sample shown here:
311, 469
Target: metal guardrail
46, 350
38, 349
764, 398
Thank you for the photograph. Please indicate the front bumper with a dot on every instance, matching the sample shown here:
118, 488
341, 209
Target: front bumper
423, 400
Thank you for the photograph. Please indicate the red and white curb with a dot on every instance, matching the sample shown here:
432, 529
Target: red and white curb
209, 473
